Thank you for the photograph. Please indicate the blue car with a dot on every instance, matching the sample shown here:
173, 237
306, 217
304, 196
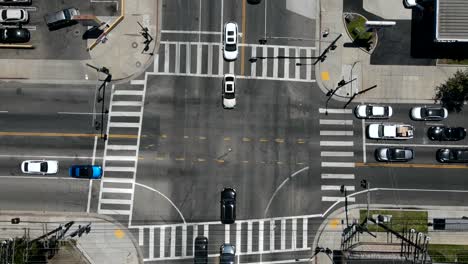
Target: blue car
86, 171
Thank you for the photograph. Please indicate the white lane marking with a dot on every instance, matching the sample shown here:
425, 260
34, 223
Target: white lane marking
364, 154
166, 57
121, 147
283, 234
253, 66
137, 82
3, 111
46, 157
90, 187
126, 103
238, 235
264, 62
238, 76
336, 188
210, 59
115, 201
184, 240
337, 199
222, 20
118, 180
128, 92
304, 232
194, 32
336, 143
177, 58
188, 50
121, 158
124, 169
297, 69
199, 20
116, 190
287, 261
336, 133
77, 113
195, 232
417, 145
220, 63
260, 235
337, 176
338, 164
275, 63
41, 178
240, 45
227, 231
162, 237
335, 122
151, 243
140, 236
114, 212
308, 65
126, 113
199, 55
336, 154
123, 124
205, 230
249, 237
173, 240
335, 111
231, 68
294, 233
286, 63
156, 63
272, 235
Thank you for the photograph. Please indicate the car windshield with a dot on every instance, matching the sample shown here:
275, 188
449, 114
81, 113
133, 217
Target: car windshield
43, 166
85, 171
231, 47
434, 112
397, 153
381, 129
26, 166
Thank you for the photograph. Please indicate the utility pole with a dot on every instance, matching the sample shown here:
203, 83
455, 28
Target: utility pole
102, 99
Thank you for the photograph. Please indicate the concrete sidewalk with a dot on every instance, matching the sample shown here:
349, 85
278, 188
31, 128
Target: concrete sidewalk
107, 242
395, 83
121, 53
330, 231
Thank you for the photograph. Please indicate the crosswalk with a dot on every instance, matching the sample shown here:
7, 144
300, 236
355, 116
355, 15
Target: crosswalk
176, 58
336, 152
261, 236
121, 150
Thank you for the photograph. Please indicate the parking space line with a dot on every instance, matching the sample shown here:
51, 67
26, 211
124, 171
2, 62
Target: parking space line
338, 164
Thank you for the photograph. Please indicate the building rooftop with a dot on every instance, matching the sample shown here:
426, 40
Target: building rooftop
452, 20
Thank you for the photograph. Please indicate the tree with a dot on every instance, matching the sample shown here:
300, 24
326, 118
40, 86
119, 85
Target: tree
454, 92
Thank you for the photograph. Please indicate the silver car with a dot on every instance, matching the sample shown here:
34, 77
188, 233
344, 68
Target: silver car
394, 154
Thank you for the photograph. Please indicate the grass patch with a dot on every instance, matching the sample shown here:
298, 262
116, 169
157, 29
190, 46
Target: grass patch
357, 29
400, 220
456, 62
448, 253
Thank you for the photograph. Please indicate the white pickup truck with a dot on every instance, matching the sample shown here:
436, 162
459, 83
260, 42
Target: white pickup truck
390, 131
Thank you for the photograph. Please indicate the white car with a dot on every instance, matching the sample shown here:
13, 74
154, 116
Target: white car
230, 50
373, 111
13, 16
390, 131
410, 3
229, 91
429, 113
39, 167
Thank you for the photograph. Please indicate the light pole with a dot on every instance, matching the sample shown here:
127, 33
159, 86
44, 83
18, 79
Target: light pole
102, 99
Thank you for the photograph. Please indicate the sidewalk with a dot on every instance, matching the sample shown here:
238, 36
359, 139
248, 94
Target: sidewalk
395, 83
329, 232
107, 242
121, 53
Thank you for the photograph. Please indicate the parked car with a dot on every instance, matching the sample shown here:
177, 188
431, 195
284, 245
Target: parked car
230, 50
429, 113
14, 35
254, 2
229, 91
85, 171
227, 254
228, 206
446, 133
452, 155
61, 19
390, 131
201, 250
394, 154
12, 15
373, 111
15, 2
39, 167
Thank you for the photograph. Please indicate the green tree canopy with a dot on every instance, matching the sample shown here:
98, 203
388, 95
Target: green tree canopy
454, 92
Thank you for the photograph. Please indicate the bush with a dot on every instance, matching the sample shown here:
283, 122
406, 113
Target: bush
454, 92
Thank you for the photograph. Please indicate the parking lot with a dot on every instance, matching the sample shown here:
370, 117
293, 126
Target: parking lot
63, 44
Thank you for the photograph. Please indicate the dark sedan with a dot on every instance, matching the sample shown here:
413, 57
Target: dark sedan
14, 35
453, 155
228, 206
446, 133
201, 250
394, 154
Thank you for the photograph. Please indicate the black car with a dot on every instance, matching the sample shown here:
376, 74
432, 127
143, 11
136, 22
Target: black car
201, 250
14, 35
15, 2
446, 133
228, 206
227, 254
254, 2
394, 154
453, 155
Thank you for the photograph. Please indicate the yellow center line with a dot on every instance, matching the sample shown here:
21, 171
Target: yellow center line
202, 138
47, 134
245, 139
243, 37
279, 140
411, 165
227, 138
263, 140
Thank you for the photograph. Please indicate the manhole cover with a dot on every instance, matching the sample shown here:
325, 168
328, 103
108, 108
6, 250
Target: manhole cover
134, 45
76, 32
138, 64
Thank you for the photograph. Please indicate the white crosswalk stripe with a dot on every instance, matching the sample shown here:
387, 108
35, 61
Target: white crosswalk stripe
336, 152
120, 157
279, 65
260, 236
